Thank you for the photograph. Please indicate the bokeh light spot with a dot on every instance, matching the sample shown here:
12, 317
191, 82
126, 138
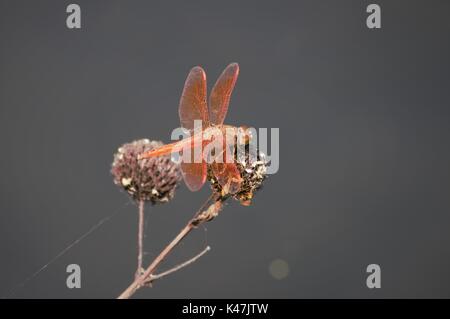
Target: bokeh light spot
279, 269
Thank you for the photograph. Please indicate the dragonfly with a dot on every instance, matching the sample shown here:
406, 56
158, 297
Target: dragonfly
193, 108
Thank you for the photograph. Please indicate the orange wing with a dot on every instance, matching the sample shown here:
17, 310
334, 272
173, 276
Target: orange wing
193, 107
193, 99
194, 173
219, 98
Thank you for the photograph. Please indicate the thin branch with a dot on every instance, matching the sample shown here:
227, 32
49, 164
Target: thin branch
199, 218
140, 238
180, 266
140, 281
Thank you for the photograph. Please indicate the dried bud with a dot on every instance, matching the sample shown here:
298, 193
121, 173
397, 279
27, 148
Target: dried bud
153, 179
253, 173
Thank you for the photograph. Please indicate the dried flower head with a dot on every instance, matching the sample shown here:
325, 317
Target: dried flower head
153, 179
253, 173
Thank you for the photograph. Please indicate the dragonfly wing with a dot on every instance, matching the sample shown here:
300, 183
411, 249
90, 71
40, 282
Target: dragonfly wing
219, 98
193, 99
194, 175
193, 167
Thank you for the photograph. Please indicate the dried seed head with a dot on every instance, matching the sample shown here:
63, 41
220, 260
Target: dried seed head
153, 179
253, 172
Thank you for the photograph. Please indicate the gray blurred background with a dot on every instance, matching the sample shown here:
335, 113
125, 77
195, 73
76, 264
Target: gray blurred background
364, 145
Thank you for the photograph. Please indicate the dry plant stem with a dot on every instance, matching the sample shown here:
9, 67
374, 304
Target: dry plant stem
139, 282
140, 238
178, 267
146, 276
